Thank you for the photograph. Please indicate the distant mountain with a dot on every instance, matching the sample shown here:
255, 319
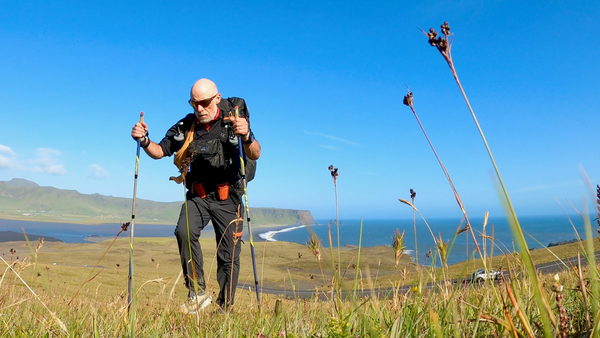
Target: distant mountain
21, 182
26, 200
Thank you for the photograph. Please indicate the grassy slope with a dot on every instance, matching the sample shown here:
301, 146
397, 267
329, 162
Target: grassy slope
277, 262
60, 274
25, 200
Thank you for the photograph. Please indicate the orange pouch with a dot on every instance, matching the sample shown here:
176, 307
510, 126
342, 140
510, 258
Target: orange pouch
199, 188
223, 191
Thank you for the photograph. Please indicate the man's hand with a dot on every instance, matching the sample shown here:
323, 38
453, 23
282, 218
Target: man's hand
139, 130
240, 126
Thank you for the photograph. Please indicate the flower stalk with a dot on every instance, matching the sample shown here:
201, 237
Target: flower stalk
408, 101
444, 46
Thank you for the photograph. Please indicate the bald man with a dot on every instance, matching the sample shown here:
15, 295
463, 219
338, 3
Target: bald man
206, 152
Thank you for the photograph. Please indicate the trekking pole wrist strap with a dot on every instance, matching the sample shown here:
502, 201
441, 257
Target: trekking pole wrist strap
248, 138
145, 142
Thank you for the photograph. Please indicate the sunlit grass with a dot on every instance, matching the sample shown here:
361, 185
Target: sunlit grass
449, 308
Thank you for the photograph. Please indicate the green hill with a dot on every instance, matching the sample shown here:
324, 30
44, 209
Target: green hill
25, 200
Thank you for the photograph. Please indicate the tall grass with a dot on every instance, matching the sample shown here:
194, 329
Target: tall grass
408, 101
440, 308
334, 176
443, 44
413, 195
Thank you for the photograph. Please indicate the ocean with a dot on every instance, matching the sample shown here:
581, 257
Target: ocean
81, 233
539, 232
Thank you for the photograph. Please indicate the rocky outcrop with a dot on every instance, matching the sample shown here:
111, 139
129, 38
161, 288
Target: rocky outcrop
562, 242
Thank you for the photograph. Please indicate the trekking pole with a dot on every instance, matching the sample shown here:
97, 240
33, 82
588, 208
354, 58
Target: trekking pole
243, 172
130, 295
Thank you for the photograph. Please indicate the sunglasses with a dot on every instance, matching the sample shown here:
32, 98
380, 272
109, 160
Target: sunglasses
203, 103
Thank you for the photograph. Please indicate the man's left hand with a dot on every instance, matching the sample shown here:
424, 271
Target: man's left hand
240, 126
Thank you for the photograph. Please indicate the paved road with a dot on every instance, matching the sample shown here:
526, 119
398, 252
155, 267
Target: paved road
546, 268
556, 266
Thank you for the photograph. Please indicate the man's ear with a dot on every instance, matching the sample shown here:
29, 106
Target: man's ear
218, 98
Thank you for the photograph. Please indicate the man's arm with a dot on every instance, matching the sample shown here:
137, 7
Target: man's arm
140, 131
242, 129
251, 150
153, 150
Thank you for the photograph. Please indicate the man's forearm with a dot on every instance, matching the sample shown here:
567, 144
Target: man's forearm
251, 150
154, 150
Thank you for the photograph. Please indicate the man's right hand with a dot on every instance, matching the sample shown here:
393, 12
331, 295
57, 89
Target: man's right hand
152, 149
139, 130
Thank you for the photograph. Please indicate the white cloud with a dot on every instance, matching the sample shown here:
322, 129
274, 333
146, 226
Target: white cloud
6, 150
7, 157
335, 138
46, 162
97, 172
5, 162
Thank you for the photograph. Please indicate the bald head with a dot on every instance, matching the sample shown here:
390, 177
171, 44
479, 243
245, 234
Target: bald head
204, 98
203, 89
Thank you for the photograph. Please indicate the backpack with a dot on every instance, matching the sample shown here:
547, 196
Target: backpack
227, 107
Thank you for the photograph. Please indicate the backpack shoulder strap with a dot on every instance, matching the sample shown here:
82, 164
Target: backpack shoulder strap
228, 106
187, 127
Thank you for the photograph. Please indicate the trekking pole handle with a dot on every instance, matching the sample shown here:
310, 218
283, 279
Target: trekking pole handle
141, 121
237, 114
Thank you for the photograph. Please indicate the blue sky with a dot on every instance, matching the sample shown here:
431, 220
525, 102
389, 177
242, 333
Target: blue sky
324, 82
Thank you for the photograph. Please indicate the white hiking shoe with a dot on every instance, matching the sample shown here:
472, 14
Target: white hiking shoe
195, 304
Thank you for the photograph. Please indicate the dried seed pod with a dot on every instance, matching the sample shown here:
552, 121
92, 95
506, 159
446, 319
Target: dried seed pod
334, 172
408, 100
432, 35
445, 28
442, 44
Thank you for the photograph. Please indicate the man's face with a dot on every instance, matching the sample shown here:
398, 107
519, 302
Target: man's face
205, 108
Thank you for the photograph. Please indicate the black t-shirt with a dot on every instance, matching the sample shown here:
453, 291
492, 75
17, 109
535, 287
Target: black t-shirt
202, 171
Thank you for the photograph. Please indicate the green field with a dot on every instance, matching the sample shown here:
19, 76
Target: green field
94, 282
